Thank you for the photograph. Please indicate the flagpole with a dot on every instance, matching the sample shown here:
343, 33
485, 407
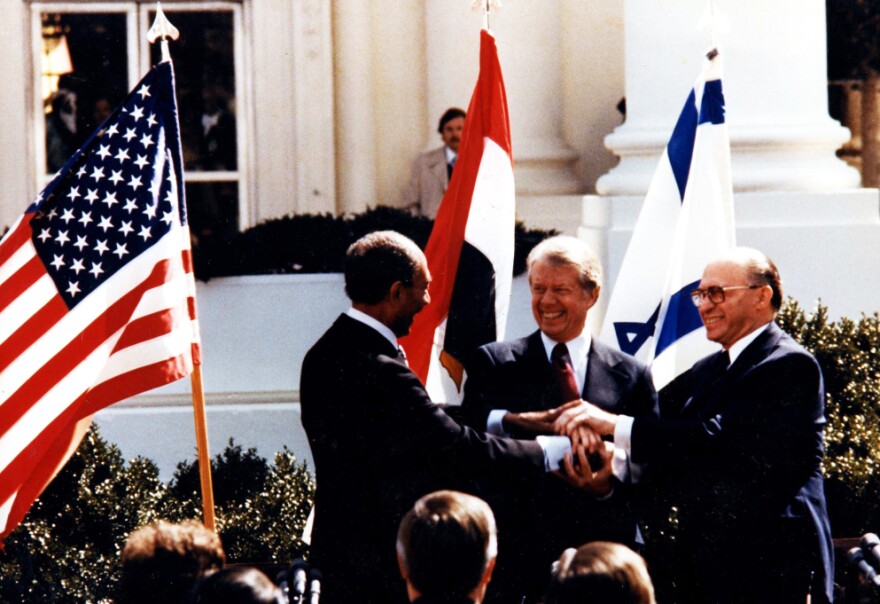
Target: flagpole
162, 29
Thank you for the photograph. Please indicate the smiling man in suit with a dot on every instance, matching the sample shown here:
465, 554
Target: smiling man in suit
516, 388
738, 449
378, 441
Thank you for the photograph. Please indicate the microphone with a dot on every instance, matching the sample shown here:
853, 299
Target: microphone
281, 582
870, 544
314, 586
297, 580
857, 558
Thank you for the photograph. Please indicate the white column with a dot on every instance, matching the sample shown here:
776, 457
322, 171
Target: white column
313, 106
355, 115
530, 51
774, 84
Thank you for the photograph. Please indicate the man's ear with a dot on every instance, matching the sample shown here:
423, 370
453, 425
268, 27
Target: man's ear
593, 295
765, 297
395, 291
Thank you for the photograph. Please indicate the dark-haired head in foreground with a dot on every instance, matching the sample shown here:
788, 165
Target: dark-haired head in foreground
446, 547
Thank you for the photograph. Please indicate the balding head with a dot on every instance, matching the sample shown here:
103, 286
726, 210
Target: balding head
740, 292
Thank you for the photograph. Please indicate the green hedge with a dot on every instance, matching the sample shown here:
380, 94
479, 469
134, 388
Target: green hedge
849, 353
67, 549
309, 243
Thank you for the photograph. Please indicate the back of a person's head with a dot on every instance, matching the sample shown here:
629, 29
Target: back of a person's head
237, 585
162, 561
375, 261
446, 544
600, 573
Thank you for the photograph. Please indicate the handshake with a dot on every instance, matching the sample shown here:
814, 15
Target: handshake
588, 465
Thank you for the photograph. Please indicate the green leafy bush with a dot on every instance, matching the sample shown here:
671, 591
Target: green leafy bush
67, 549
308, 243
849, 353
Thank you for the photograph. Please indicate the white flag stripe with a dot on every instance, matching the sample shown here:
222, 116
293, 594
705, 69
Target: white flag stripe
17, 260
491, 215
31, 300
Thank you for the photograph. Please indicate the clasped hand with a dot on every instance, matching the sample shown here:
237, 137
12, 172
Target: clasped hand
588, 466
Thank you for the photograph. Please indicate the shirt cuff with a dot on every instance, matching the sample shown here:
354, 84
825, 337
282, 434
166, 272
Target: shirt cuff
555, 448
623, 433
620, 464
494, 424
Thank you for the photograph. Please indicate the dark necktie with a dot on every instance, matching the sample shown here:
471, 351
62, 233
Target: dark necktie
564, 373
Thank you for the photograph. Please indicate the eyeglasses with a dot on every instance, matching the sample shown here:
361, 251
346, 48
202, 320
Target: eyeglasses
716, 293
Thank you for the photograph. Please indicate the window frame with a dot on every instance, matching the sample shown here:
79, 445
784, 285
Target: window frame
137, 22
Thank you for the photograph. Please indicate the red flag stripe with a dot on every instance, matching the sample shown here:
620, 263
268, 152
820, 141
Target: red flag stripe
147, 327
72, 354
136, 381
14, 239
32, 329
20, 281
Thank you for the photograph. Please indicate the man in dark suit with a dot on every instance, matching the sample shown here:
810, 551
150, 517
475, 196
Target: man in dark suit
737, 449
514, 388
377, 439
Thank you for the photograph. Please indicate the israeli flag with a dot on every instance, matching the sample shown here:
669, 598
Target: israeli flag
685, 222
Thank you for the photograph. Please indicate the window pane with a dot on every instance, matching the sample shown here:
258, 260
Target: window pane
212, 209
84, 76
204, 66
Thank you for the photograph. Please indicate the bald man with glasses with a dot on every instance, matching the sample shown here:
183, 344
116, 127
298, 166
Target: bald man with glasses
737, 449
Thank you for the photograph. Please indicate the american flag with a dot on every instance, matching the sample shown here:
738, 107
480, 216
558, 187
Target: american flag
97, 296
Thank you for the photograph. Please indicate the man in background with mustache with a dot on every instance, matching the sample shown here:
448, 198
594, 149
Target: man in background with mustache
432, 170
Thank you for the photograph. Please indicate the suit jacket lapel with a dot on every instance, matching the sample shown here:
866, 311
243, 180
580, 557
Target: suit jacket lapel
602, 386
711, 395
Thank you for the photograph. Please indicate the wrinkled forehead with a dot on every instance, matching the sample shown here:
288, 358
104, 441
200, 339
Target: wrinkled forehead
723, 272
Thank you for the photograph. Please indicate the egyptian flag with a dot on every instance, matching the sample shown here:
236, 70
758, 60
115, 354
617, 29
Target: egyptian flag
470, 251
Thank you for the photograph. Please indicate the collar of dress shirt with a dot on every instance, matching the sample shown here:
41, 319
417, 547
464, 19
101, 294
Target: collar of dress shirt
737, 347
450, 154
578, 349
369, 321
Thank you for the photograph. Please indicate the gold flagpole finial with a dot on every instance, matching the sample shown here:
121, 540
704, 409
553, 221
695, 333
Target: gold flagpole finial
162, 29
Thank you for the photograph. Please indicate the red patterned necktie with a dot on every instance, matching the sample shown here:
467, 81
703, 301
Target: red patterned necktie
564, 372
